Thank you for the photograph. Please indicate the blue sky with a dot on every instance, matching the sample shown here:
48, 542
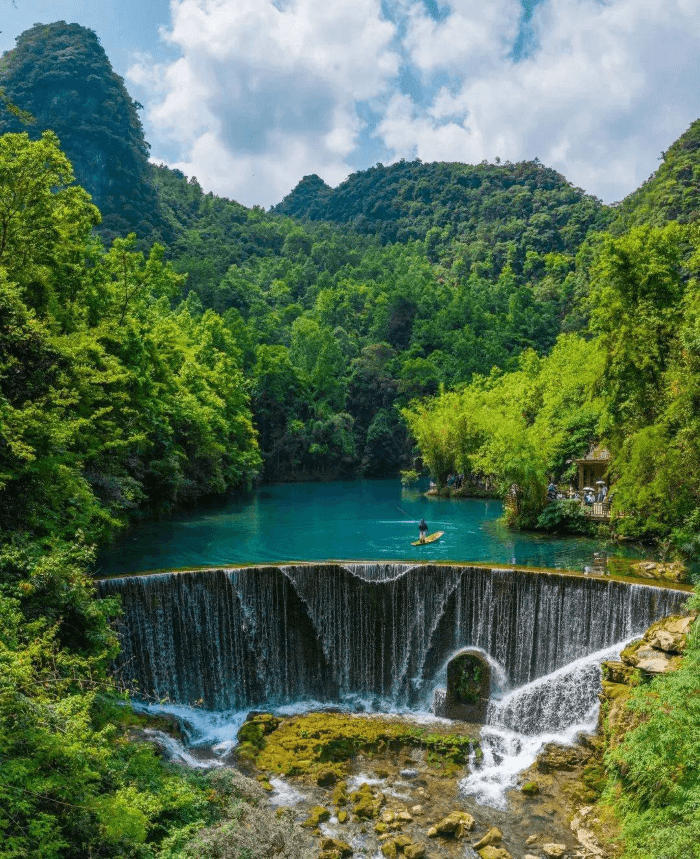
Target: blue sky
251, 95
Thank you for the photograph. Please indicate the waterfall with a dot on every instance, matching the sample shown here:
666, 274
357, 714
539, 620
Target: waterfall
378, 633
553, 708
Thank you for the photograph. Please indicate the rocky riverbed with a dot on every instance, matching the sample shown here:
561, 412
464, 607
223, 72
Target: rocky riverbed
380, 786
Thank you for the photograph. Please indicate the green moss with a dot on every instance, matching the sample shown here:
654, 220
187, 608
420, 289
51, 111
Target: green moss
630, 650
530, 788
340, 794
320, 745
318, 814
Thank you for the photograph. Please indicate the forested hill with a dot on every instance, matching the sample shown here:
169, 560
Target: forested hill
672, 192
345, 303
60, 74
495, 203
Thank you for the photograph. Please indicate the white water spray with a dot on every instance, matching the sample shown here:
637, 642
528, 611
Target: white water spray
553, 708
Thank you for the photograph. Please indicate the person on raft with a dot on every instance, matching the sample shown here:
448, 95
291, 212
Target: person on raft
423, 530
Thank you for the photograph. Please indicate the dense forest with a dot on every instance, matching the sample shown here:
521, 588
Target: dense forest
159, 344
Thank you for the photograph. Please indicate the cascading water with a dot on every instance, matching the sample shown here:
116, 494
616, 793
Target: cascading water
233, 639
553, 708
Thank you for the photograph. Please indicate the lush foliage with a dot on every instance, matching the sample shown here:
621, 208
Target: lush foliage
60, 76
671, 192
519, 428
109, 399
654, 768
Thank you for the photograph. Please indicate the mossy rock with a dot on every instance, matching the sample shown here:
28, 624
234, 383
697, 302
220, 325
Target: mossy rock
530, 788
338, 848
322, 744
340, 794
318, 814
326, 777
343, 816
256, 727
627, 655
615, 691
366, 805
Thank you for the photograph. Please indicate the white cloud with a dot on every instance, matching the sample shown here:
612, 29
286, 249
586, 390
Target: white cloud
263, 94
607, 88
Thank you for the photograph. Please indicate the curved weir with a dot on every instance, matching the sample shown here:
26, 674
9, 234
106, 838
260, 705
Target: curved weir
381, 633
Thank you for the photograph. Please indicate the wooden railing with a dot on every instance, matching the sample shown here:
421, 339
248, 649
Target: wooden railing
597, 510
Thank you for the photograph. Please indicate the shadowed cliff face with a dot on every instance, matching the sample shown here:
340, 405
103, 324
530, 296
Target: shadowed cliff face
233, 639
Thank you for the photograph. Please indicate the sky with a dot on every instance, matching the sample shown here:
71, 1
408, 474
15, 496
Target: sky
251, 95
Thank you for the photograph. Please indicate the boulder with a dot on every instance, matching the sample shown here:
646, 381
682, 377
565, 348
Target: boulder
669, 634
493, 836
652, 661
554, 851
456, 825
336, 846
616, 671
366, 804
558, 758
492, 852
318, 814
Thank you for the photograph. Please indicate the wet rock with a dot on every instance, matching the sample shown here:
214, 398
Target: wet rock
326, 778
388, 816
318, 814
531, 839
456, 824
409, 773
530, 856
530, 788
554, 851
404, 817
557, 758
417, 809
616, 671
332, 848
366, 804
493, 837
414, 851
340, 794
492, 852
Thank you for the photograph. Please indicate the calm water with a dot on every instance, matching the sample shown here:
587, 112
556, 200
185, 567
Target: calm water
347, 520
